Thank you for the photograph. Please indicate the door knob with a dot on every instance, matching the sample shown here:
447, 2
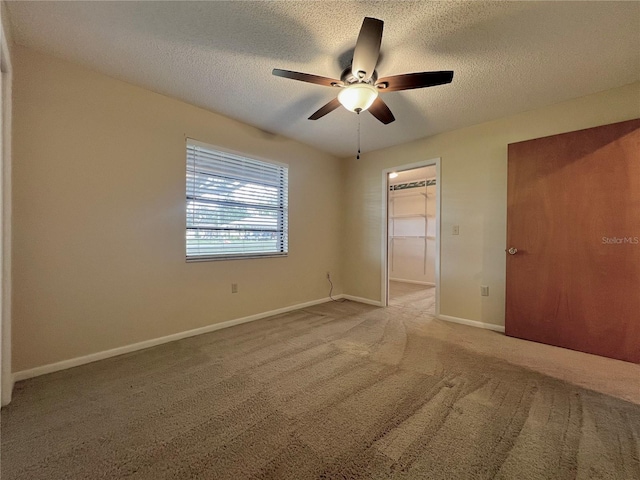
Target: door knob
512, 251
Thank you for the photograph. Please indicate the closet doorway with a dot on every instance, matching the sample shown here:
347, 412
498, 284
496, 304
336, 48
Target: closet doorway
412, 237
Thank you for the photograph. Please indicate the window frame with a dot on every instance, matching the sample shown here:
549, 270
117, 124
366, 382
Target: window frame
283, 218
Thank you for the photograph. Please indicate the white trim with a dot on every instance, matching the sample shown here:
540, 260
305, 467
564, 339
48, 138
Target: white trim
353, 298
384, 291
6, 377
413, 282
384, 260
438, 220
114, 352
472, 323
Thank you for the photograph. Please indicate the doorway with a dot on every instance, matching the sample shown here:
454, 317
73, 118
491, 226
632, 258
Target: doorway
411, 237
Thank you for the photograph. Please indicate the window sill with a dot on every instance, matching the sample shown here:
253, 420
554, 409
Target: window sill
218, 258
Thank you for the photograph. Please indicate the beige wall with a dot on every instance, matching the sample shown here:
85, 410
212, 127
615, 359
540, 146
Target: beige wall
99, 225
474, 188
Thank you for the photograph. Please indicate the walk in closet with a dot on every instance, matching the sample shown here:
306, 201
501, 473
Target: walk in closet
412, 230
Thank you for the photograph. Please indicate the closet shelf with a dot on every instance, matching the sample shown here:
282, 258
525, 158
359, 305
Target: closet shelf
410, 215
428, 237
406, 236
393, 196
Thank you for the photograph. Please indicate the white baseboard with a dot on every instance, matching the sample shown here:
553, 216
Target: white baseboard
375, 303
415, 282
114, 352
472, 323
7, 391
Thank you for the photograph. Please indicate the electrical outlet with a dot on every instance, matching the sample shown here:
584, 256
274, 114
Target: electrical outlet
234, 288
456, 230
484, 290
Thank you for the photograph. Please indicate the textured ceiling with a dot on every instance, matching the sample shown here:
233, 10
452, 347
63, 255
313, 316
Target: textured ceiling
508, 57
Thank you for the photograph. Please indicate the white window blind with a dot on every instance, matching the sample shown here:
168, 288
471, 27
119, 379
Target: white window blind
237, 207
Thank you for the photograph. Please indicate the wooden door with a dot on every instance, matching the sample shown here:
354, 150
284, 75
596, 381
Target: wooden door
573, 214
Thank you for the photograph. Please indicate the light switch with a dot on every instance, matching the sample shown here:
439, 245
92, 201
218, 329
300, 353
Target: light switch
484, 290
456, 230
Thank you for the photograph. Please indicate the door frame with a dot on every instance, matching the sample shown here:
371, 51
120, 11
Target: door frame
384, 289
6, 375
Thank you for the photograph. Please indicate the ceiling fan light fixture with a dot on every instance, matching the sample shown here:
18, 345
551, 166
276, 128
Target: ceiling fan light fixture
358, 97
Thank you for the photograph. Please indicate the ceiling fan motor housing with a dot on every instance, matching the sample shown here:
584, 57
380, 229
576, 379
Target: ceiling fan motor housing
348, 77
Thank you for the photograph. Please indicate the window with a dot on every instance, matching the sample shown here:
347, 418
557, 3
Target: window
237, 207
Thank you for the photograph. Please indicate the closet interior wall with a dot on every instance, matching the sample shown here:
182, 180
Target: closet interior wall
412, 229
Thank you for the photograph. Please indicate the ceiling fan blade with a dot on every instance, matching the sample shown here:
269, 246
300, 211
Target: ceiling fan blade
307, 77
322, 111
380, 110
408, 81
367, 51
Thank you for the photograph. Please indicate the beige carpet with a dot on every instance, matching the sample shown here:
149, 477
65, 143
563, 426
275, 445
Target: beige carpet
337, 391
420, 298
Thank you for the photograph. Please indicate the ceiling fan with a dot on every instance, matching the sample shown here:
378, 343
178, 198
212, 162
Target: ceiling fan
360, 84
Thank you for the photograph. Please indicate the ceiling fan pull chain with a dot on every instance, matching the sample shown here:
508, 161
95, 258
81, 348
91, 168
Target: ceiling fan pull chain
358, 156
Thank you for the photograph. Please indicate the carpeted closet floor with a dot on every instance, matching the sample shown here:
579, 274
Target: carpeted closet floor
420, 298
336, 391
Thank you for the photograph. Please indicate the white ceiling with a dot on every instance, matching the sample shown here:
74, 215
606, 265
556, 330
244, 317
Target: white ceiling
508, 57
